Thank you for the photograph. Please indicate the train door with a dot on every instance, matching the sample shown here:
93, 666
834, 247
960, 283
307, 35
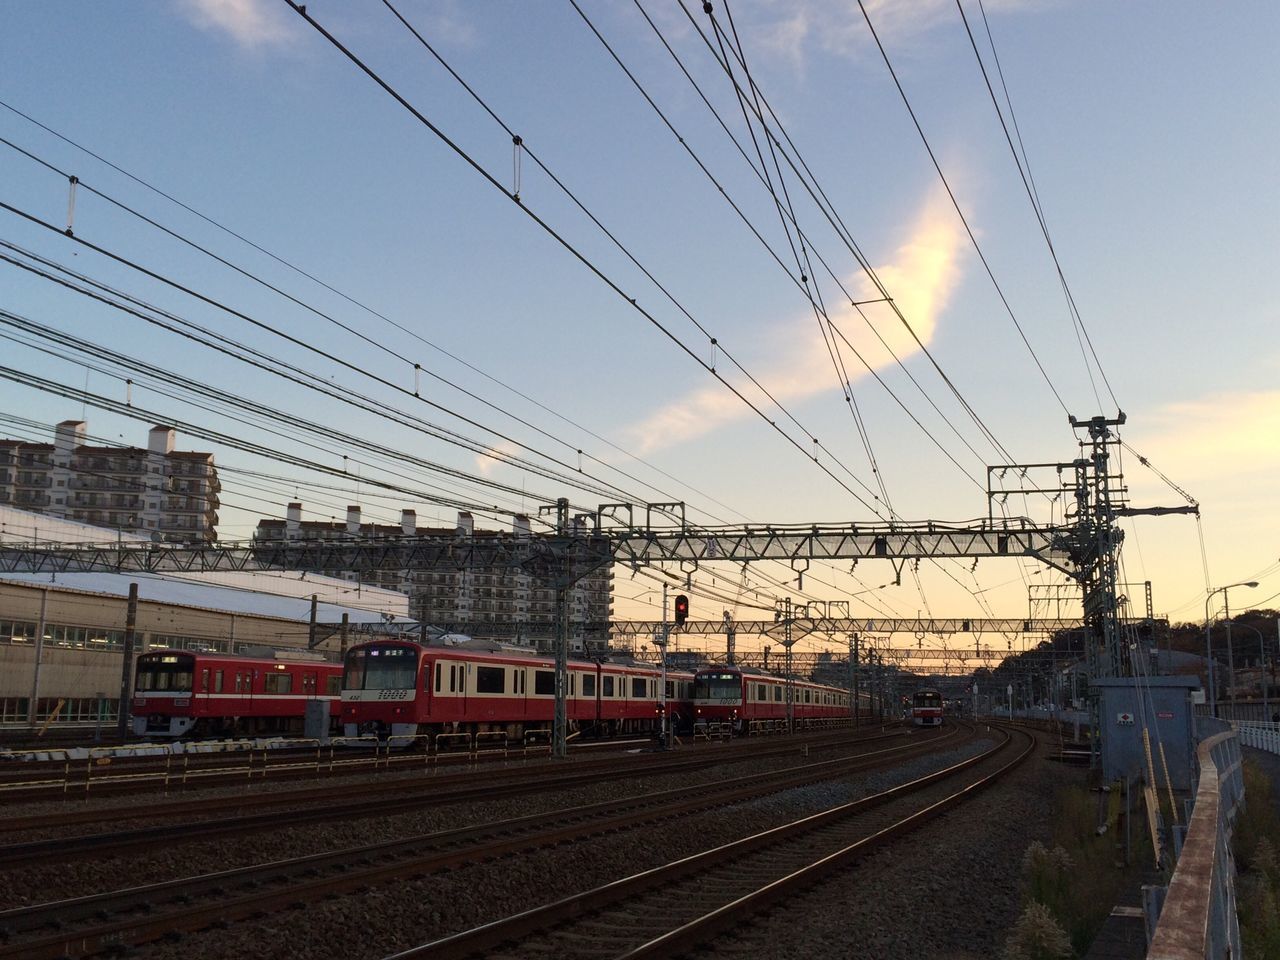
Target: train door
453, 682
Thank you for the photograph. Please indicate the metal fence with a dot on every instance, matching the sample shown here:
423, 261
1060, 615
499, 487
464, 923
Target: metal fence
1198, 919
1262, 736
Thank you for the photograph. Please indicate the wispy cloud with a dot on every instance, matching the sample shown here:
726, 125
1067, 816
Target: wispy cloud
252, 24
792, 361
487, 462
776, 29
1213, 440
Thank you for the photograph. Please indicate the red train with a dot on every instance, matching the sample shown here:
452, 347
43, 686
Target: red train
926, 708
183, 692
401, 688
745, 697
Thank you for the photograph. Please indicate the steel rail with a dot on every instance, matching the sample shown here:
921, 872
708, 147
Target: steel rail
411, 856
499, 935
485, 785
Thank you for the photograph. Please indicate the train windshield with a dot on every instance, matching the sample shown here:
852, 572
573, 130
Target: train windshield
381, 668
717, 686
166, 671
928, 698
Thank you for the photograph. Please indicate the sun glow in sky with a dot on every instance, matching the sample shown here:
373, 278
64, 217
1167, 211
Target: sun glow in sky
1146, 127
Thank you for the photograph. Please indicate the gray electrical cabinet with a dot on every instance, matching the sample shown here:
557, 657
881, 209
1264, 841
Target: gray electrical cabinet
1163, 706
315, 722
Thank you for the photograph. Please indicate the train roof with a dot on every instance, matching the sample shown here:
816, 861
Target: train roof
492, 650
265, 655
748, 671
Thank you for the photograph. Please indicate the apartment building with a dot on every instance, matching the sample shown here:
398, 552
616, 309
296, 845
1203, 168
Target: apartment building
500, 603
156, 491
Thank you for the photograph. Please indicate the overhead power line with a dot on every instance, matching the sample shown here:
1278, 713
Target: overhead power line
569, 247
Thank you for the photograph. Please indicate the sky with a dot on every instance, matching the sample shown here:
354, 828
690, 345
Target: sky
1149, 130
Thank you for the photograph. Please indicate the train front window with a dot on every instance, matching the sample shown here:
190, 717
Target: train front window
165, 672
717, 686
380, 668
928, 698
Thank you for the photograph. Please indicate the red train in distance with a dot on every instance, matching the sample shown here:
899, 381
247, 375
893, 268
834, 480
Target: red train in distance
926, 708
399, 688
178, 693
747, 697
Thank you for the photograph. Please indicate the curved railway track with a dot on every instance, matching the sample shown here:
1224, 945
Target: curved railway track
143, 914
200, 820
672, 909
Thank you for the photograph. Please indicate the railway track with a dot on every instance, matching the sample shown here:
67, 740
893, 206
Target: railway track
86, 777
378, 798
673, 909
95, 771
142, 914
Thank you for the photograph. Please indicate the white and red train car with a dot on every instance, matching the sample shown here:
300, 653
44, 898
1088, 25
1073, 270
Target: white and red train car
399, 688
184, 692
926, 708
745, 697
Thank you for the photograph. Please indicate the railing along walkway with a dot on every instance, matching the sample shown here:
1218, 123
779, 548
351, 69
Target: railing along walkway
1262, 736
1198, 920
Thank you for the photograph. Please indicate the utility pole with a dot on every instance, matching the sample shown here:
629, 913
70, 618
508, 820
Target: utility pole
729, 632
666, 637
33, 712
126, 667
560, 726
1231, 660
853, 680
783, 612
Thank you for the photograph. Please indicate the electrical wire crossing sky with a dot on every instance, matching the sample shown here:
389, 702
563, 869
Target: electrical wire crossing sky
855, 262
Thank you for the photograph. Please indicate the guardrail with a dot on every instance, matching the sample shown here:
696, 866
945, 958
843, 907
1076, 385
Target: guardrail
1198, 919
1260, 735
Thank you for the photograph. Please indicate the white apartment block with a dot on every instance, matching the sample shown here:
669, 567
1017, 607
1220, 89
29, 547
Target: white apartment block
500, 603
157, 492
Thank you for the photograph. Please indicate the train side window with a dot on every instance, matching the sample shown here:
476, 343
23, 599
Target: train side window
239, 681
606, 686
277, 683
439, 671
204, 680
544, 683
453, 678
333, 685
217, 681
777, 694
637, 688
588, 684
308, 683
491, 680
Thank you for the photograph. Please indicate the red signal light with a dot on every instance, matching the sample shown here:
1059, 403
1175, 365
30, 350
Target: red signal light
682, 609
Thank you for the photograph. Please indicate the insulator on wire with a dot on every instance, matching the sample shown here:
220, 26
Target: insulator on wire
71, 203
517, 142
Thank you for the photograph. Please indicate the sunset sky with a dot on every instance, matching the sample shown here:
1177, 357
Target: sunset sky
1150, 134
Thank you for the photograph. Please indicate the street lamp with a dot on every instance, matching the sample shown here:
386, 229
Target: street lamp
1226, 614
